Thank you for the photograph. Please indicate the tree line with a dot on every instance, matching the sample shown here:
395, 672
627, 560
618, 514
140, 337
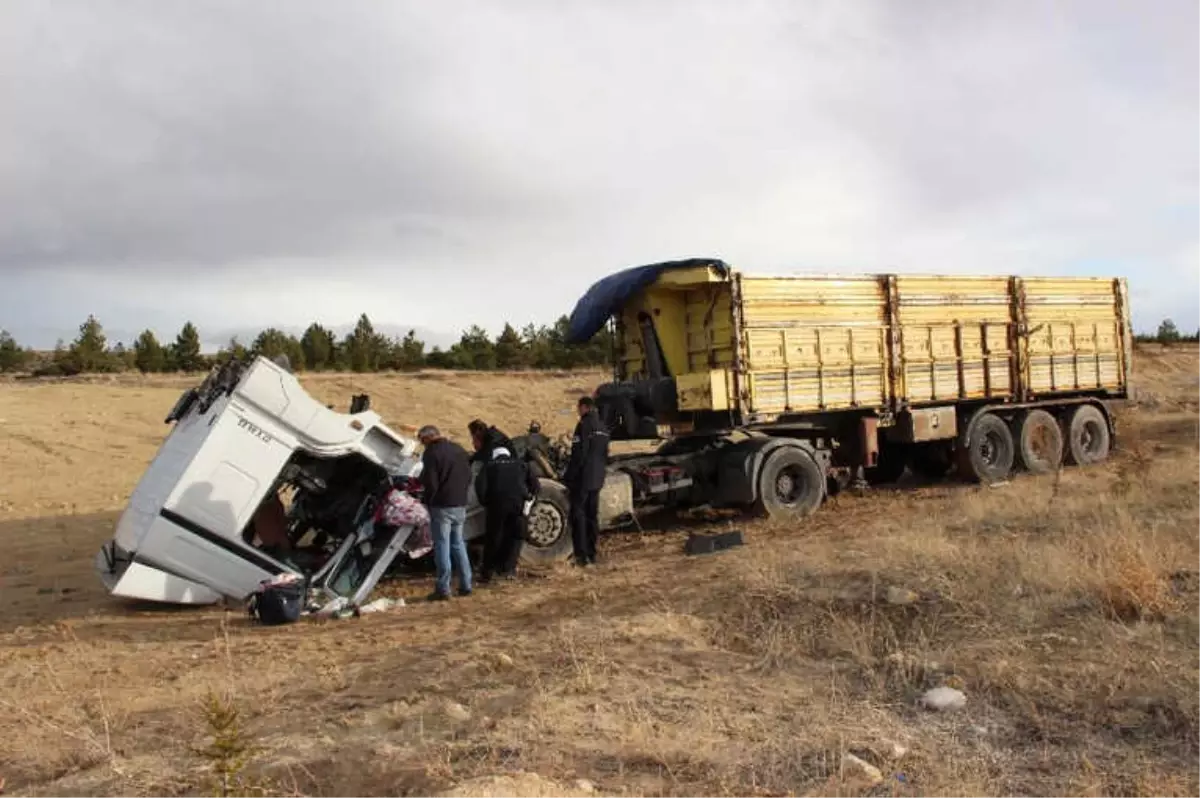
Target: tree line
317, 349
1167, 333
362, 350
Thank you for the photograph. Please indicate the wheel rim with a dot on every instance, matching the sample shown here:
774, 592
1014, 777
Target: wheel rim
789, 485
990, 448
546, 525
1091, 438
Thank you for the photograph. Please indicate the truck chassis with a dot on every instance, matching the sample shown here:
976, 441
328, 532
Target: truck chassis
786, 470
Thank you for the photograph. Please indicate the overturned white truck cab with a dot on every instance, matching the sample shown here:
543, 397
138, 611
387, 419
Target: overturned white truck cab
250, 433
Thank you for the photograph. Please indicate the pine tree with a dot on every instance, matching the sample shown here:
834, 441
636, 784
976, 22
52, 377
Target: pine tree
148, 355
271, 343
439, 359
62, 361
185, 352
89, 350
319, 347
475, 350
363, 348
123, 358
407, 354
12, 356
510, 349
537, 344
1168, 333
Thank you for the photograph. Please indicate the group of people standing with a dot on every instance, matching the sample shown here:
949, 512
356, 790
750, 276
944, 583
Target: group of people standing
506, 487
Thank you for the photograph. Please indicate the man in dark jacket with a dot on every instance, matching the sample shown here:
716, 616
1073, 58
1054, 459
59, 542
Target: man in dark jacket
446, 480
486, 438
503, 486
584, 478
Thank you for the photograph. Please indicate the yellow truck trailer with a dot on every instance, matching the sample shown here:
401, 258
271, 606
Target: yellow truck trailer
772, 391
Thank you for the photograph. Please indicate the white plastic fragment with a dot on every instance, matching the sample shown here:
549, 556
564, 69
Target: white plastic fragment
942, 699
381, 605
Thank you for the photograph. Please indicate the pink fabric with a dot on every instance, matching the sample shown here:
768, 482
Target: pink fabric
400, 509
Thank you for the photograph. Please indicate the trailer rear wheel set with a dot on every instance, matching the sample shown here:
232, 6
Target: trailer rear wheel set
1038, 440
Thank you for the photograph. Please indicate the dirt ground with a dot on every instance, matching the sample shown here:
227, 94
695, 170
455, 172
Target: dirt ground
1064, 608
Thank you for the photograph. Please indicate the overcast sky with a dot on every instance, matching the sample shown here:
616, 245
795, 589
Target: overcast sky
440, 163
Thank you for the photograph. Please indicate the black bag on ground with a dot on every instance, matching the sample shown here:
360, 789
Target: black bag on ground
279, 603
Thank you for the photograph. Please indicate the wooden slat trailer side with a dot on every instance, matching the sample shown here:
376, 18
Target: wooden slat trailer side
858, 376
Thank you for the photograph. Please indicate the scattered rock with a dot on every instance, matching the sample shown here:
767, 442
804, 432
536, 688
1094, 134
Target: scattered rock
456, 711
584, 785
901, 595
503, 660
944, 699
860, 769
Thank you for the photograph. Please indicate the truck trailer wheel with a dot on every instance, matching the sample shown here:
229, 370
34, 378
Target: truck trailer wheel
548, 528
1088, 438
790, 485
990, 454
1039, 442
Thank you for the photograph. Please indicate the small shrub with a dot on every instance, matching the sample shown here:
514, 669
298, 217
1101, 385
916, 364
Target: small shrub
229, 750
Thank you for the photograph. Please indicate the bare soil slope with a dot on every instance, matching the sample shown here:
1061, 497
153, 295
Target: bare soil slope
1065, 610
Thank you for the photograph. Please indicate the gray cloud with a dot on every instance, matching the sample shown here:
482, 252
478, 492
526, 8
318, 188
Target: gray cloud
435, 165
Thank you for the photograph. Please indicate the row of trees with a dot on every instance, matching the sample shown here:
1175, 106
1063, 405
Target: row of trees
318, 349
1168, 333
364, 349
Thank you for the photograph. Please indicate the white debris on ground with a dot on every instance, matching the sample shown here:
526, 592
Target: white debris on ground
900, 596
340, 607
381, 605
861, 770
943, 699
333, 609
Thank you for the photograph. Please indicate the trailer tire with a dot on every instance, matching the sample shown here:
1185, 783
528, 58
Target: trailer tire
548, 528
1088, 437
1039, 442
990, 452
791, 485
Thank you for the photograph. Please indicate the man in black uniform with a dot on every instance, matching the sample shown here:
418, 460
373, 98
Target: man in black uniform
486, 438
584, 479
503, 486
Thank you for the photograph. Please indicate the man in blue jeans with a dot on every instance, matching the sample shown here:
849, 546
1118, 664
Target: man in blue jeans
445, 479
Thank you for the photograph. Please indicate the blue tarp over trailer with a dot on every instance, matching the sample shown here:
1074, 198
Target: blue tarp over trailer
607, 296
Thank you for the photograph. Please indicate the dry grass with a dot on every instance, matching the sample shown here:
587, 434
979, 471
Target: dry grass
1065, 609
